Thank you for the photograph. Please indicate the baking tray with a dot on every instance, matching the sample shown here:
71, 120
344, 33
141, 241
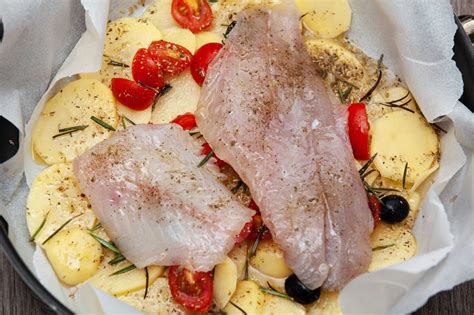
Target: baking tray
9, 136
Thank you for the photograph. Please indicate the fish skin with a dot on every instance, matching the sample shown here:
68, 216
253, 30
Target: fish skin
266, 112
155, 204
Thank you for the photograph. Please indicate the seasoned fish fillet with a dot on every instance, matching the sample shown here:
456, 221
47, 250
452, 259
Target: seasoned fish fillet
155, 203
267, 113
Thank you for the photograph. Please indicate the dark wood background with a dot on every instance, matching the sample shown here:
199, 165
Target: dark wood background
16, 298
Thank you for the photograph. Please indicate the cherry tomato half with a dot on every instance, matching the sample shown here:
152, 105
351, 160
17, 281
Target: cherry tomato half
375, 207
186, 121
146, 71
172, 58
206, 149
193, 290
244, 234
257, 223
358, 124
195, 15
201, 60
132, 94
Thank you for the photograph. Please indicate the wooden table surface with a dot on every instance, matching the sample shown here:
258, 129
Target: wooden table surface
16, 298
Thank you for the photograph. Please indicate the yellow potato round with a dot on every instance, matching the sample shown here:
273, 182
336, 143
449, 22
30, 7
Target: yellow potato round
74, 255
180, 36
248, 297
263, 280
270, 261
204, 38
73, 106
159, 14
224, 282
54, 198
275, 305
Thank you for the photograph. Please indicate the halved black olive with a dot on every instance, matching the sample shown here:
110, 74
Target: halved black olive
299, 292
395, 209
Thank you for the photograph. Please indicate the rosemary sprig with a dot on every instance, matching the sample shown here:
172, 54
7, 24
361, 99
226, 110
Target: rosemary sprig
253, 249
105, 243
69, 130
380, 61
95, 227
102, 123
128, 120
372, 89
371, 191
382, 247
39, 228
276, 293
384, 189
118, 258
60, 228
402, 106
238, 307
124, 270
400, 99
147, 277
237, 187
367, 164
206, 158
405, 175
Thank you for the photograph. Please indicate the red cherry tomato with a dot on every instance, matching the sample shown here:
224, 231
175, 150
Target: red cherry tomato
146, 71
375, 207
206, 149
359, 131
244, 234
201, 60
132, 94
193, 290
195, 15
172, 58
186, 121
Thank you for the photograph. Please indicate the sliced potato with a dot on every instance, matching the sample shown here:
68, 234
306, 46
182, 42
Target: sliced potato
74, 255
204, 38
158, 299
159, 14
270, 261
275, 305
108, 71
182, 98
391, 244
54, 198
248, 297
180, 36
402, 137
263, 280
328, 304
126, 35
73, 106
332, 57
225, 282
124, 283
325, 19
137, 116
239, 256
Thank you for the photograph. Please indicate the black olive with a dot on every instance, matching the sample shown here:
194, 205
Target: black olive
299, 292
394, 209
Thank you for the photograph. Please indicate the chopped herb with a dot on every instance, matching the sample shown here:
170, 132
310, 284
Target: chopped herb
436, 126
95, 227
147, 281
405, 175
276, 293
367, 164
118, 258
237, 187
39, 228
128, 120
382, 247
206, 158
69, 130
116, 63
124, 270
229, 29
238, 307
372, 89
106, 244
60, 228
213, 1
102, 123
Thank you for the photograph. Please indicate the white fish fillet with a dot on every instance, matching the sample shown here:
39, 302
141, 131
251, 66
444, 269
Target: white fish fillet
267, 113
155, 203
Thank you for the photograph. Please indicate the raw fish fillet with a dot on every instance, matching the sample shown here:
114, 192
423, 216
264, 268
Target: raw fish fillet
267, 113
157, 206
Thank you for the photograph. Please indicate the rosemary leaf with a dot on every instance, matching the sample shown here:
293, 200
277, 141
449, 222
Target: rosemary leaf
95, 227
400, 99
73, 128
367, 164
193, 131
206, 158
341, 96
102, 123
116, 63
276, 293
303, 15
238, 307
105, 243
372, 89
371, 191
402, 106
39, 228
123, 123
348, 83
147, 282
384, 189
118, 258
128, 120
60, 228
436, 126
237, 187
367, 174
229, 29
405, 175
379, 62
347, 93
253, 249
123, 270
382, 247
164, 90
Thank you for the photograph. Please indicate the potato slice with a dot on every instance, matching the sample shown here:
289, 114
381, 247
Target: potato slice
180, 36
74, 255
159, 14
124, 283
204, 38
53, 199
239, 256
325, 19
108, 71
275, 305
73, 106
158, 299
391, 244
126, 35
416, 144
328, 304
225, 282
270, 261
263, 280
182, 98
331, 57
248, 297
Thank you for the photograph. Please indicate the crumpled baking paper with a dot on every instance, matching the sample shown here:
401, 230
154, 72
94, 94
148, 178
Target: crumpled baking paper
416, 38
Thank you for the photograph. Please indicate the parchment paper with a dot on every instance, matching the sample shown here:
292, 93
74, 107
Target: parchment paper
416, 38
